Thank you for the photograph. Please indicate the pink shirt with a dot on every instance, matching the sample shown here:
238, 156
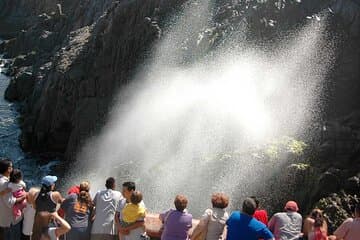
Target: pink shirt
349, 229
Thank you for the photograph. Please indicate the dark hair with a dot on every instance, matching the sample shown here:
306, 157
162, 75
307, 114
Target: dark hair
256, 201
180, 202
110, 183
136, 197
44, 190
130, 186
16, 176
315, 213
5, 163
249, 206
219, 200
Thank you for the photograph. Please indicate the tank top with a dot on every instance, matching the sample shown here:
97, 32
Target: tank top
45, 203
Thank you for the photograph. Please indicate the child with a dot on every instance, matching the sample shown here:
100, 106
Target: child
17, 187
133, 211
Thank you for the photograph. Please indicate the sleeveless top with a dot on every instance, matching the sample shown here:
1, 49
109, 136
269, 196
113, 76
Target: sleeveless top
44, 203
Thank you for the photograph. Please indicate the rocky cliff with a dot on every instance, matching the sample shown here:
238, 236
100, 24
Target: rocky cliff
72, 56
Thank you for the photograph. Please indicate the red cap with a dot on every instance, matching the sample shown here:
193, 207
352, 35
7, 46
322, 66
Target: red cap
291, 206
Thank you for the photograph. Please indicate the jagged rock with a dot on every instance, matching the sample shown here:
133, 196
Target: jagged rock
25, 60
337, 207
352, 185
21, 86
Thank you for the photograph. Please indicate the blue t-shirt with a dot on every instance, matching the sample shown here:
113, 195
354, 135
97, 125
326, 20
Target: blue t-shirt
241, 226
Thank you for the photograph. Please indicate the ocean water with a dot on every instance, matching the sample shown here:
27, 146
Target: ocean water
32, 167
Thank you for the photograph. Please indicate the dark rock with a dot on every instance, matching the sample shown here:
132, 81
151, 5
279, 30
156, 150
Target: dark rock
337, 207
352, 185
20, 86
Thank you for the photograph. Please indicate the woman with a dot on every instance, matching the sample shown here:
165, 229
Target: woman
177, 223
315, 226
78, 211
212, 223
45, 201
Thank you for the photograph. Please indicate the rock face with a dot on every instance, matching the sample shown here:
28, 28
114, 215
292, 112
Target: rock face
69, 63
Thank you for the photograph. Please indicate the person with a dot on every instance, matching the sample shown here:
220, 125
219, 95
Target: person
350, 228
133, 211
53, 233
287, 225
260, 214
136, 230
17, 187
178, 222
78, 210
213, 221
29, 214
10, 228
243, 226
309, 224
105, 202
45, 200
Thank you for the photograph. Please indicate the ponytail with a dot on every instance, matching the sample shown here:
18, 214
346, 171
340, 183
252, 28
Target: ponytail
84, 198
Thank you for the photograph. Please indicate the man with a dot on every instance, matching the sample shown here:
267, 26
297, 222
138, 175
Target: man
243, 226
136, 229
10, 228
105, 202
287, 225
350, 228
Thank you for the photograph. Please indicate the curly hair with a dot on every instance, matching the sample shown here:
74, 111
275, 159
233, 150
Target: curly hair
219, 200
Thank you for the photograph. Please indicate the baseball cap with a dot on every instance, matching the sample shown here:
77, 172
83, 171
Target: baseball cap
291, 206
48, 180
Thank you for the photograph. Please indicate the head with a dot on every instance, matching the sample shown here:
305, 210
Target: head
85, 186
136, 197
256, 201
48, 183
16, 176
249, 206
180, 202
127, 189
85, 198
110, 183
291, 206
315, 213
219, 200
318, 217
6, 167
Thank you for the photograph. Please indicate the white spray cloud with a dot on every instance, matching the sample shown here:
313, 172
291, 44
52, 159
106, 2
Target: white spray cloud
178, 116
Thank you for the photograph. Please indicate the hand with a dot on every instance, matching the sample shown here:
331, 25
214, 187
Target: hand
124, 231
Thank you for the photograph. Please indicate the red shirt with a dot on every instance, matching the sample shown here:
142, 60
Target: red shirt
74, 189
262, 216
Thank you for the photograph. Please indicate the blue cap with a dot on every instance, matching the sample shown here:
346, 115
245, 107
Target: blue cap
48, 180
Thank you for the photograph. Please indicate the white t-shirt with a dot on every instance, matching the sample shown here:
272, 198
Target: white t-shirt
29, 215
106, 203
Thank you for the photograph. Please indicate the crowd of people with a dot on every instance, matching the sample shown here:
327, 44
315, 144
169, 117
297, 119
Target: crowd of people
43, 213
